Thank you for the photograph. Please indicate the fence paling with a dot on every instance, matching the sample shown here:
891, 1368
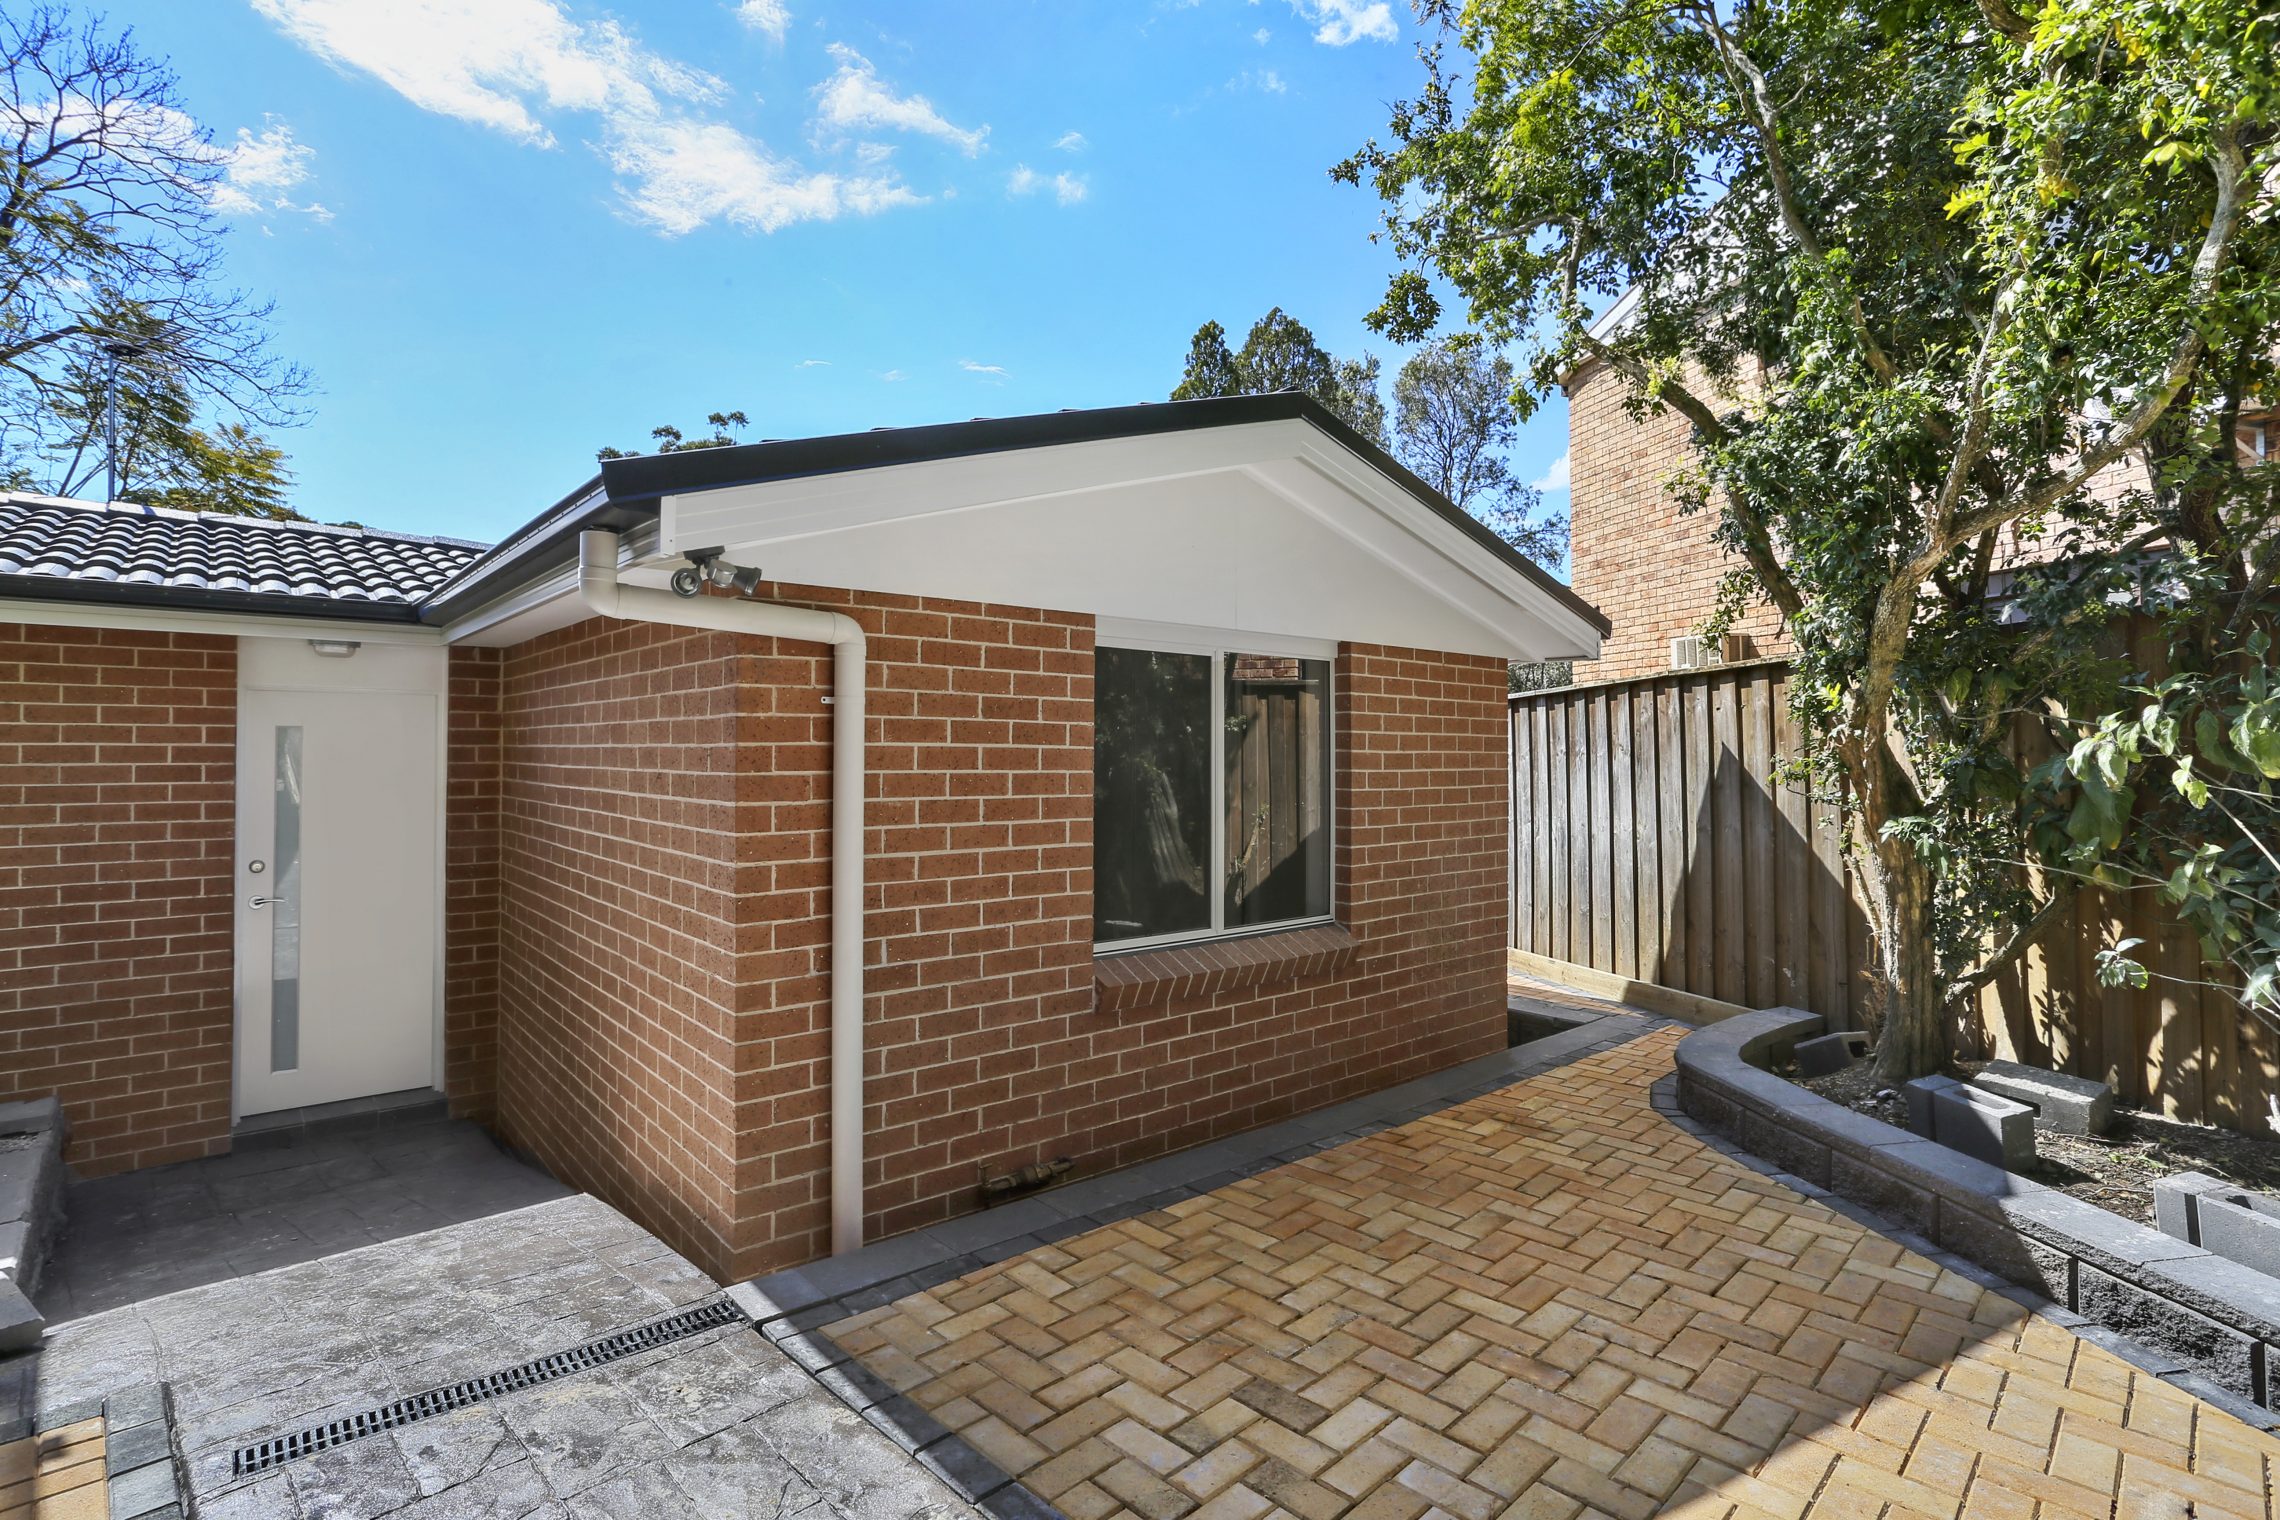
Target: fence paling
1651, 840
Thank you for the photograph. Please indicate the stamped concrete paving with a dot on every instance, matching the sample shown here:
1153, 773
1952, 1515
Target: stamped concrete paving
721, 1424
136, 1235
1544, 1302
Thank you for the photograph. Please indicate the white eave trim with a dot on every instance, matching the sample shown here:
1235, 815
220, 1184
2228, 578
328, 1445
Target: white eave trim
219, 623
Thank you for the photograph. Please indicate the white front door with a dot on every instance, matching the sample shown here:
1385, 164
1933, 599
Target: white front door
337, 885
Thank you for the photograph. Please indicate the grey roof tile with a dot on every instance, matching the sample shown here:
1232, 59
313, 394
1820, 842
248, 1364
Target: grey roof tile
205, 551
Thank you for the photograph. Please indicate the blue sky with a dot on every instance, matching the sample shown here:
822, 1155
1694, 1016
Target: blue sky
505, 232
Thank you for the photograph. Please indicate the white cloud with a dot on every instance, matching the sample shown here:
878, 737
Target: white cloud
1067, 188
769, 16
993, 371
260, 170
1555, 475
892, 375
1261, 36
496, 63
1266, 81
855, 99
813, 364
1338, 22
513, 65
679, 175
1070, 142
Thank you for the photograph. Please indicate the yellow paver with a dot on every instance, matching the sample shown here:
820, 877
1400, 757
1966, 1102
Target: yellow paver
1545, 1302
55, 1476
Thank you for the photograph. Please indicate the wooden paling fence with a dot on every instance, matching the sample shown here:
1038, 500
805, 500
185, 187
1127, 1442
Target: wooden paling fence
1655, 839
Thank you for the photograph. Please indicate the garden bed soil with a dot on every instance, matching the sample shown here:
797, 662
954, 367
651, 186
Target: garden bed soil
2116, 1170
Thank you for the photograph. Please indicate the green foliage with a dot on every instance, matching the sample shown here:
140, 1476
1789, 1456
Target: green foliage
1454, 425
1963, 303
670, 440
1540, 675
2181, 790
1280, 354
109, 240
164, 458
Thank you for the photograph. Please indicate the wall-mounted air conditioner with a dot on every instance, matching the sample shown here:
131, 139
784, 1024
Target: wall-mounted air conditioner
1689, 651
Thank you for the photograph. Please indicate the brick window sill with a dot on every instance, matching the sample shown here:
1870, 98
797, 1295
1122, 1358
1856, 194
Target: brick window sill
1139, 978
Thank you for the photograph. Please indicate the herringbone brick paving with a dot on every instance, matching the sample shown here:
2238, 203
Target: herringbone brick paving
1541, 1304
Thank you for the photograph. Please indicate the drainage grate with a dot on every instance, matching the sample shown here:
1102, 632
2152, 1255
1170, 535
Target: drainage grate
263, 1455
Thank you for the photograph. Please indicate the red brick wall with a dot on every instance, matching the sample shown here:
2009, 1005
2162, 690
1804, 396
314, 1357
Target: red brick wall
1653, 572
472, 771
625, 872
117, 806
664, 1013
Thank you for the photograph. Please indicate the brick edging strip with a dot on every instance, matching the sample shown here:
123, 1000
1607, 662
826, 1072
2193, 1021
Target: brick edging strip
2208, 1324
139, 1463
792, 1307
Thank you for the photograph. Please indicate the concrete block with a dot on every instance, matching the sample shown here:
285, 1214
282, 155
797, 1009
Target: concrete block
2233, 1361
20, 1178
21, 1325
2063, 1104
1786, 1148
1892, 1197
1918, 1096
2176, 1203
31, 1116
2232, 1226
1983, 1124
16, 1250
1711, 1109
1826, 1054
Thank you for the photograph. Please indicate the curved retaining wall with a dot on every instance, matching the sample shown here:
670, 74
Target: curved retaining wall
2215, 1316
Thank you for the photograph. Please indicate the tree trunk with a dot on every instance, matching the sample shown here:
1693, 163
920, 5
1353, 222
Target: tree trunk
1916, 1039
1896, 888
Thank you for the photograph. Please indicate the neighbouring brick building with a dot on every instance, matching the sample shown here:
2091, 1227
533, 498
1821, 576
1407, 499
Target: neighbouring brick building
1181, 789
1654, 570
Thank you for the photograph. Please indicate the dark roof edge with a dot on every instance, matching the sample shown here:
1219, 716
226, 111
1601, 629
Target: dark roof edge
56, 588
536, 546
649, 476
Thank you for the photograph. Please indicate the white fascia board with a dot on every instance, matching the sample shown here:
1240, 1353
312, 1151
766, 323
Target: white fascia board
541, 604
1421, 544
1290, 457
225, 624
779, 511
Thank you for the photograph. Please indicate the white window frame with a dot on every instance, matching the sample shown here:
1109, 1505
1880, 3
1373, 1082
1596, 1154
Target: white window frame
1218, 644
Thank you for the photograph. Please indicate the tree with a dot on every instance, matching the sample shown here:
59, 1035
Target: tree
725, 426
134, 421
1280, 354
1454, 425
1961, 301
110, 245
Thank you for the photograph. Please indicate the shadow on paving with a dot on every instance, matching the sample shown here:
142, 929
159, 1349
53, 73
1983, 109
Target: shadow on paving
1548, 1301
137, 1235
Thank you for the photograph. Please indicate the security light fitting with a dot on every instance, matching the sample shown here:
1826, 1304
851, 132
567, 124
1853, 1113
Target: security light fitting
707, 567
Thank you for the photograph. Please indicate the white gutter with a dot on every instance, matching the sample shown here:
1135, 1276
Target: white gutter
600, 590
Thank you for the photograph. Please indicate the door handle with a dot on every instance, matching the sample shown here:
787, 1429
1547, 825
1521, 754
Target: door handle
259, 902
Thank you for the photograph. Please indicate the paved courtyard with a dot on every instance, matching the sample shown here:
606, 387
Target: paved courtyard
136, 1235
1544, 1302
721, 1424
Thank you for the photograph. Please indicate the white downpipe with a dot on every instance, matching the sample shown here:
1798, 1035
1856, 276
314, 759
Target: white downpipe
600, 589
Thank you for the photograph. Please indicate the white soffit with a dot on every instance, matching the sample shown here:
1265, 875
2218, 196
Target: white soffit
1268, 527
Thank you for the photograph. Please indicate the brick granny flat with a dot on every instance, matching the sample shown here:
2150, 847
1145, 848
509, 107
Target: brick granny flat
1183, 810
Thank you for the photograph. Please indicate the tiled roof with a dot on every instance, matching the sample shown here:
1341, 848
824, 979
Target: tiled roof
210, 552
